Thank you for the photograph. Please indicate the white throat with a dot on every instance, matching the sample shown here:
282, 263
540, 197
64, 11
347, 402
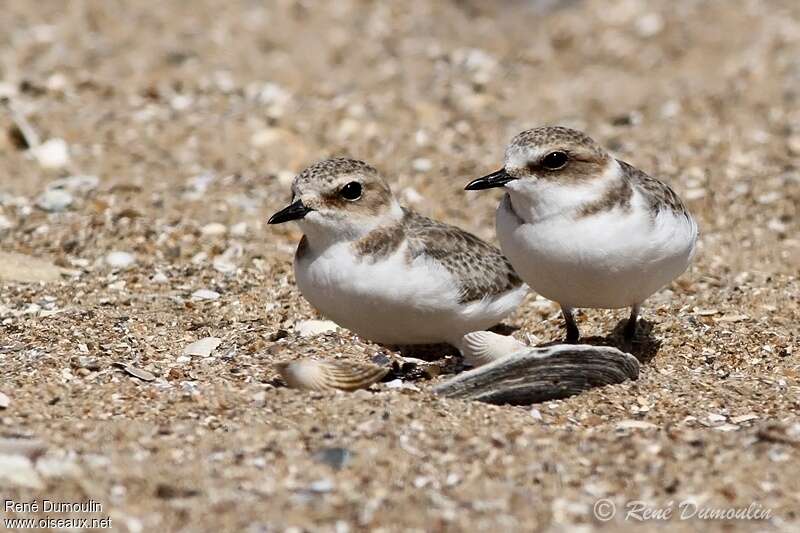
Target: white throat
323, 231
535, 200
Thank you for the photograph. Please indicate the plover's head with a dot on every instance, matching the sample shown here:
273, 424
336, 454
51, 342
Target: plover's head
547, 157
339, 198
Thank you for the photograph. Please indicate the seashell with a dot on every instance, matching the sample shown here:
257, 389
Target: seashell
329, 375
202, 347
536, 375
481, 347
312, 328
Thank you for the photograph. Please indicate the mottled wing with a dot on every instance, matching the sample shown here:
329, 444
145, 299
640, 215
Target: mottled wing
481, 270
658, 194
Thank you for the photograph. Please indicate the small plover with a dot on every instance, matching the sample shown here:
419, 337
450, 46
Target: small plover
584, 229
386, 272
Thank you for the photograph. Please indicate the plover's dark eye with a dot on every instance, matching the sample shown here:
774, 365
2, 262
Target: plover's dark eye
555, 160
351, 191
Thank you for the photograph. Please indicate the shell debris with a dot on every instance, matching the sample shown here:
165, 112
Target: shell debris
312, 328
202, 347
329, 375
482, 347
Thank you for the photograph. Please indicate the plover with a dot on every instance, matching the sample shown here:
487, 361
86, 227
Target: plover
584, 229
386, 272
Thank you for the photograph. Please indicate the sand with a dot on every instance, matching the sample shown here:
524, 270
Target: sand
195, 117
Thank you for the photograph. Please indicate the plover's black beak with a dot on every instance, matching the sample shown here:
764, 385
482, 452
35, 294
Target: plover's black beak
294, 211
495, 179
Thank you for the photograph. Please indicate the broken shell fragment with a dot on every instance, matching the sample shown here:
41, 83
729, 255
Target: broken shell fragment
329, 375
202, 347
482, 347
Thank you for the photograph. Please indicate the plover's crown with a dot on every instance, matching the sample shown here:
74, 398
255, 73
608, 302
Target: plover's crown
555, 136
329, 170
479, 268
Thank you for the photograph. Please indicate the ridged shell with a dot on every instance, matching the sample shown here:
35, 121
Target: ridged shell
535, 375
330, 375
482, 347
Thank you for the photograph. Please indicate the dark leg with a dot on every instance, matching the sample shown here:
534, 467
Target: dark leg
573, 334
630, 327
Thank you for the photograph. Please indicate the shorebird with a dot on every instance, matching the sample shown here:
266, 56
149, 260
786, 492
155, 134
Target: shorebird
585, 229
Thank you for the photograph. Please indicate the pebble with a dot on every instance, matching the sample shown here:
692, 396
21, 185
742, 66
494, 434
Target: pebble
285, 178
400, 384
274, 98
311, 328
421, 164
226, 261
794, 144
78, 183
202, 347
27, 269
480, 64
223, 265
321, 486
205, 294
181, 102
5, 223
635, 424
336, 458
18, 471
744, 418
139, 373
54, 200
30, 448
778, 226
649, 25
214, 229
265, 137
8, 89
58, 467
769, 198
695, 194
120, 260
543, 307
53, 153
239, 230
5, 401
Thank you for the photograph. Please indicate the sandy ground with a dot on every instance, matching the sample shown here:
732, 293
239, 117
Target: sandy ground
195, 116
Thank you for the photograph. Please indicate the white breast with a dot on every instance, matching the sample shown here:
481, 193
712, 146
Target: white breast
392, 301
609, 260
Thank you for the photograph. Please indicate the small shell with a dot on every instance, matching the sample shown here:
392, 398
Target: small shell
481, 347
329, 375
202, 347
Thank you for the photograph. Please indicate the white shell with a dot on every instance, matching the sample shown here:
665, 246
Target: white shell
312, 328
481, 347
202, 347
53, 153
329, 375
